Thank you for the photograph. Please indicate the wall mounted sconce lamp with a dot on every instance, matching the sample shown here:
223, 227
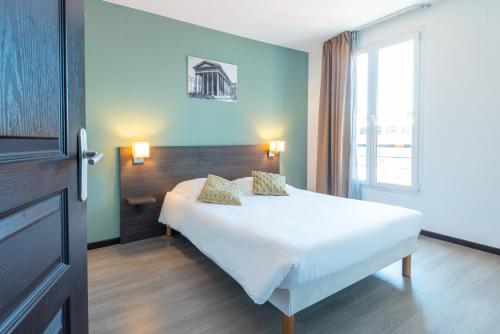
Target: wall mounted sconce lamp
140, 150
275, 147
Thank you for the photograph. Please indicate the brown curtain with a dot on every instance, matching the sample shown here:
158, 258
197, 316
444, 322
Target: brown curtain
334, 126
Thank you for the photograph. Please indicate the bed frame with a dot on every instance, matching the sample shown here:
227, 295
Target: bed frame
294, 300
168, 166
291, 301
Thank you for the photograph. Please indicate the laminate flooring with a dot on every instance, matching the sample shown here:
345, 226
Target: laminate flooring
164, 285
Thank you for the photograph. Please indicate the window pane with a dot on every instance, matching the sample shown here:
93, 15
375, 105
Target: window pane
395, 113
361, 114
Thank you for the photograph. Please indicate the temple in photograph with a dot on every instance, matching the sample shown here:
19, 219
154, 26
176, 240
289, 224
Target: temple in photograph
212, 82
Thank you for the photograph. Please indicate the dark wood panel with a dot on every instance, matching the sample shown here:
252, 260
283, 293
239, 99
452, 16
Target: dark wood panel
31, 248
31, 74
39, 309
24, 144
42, 95
56, 324
37, 178
76, 314
168, 166
18, 221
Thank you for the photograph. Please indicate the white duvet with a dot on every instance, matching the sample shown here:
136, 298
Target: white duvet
270, 242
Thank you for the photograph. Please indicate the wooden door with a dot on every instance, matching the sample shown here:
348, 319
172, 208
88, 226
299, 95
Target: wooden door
43, 261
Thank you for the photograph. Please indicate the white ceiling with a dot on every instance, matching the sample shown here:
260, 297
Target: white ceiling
298, 24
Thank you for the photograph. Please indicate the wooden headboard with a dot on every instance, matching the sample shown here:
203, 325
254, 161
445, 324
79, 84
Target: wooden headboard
168, 166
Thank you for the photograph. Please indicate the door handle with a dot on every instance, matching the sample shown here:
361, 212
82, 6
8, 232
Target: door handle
85, 158
92, 156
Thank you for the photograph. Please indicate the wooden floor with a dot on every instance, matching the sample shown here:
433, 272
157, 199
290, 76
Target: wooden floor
168, 286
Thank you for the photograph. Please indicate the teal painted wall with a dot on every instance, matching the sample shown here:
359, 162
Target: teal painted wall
136, 90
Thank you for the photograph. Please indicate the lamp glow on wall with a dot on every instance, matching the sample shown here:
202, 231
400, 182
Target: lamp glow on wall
140, 150
275, 147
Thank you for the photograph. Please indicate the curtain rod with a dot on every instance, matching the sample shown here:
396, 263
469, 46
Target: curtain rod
394, 15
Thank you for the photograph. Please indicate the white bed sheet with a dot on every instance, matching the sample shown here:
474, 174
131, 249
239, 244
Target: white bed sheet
270, 242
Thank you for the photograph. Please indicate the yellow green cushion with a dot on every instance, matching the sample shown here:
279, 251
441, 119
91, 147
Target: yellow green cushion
219, 190
269, 184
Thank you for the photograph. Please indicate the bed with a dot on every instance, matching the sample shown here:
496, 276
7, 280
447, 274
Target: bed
272, 244
296, 250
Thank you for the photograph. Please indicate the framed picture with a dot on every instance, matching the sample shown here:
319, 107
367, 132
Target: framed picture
212, 80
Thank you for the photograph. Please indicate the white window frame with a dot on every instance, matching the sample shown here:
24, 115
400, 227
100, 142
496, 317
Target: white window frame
371, 146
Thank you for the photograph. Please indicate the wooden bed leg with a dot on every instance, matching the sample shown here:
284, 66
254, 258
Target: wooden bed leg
168, 232
407, 266
288, 324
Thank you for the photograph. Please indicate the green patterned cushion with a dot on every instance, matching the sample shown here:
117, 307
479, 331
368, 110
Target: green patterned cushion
269, 184
219, 190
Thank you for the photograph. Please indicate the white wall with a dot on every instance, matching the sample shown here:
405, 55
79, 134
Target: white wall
460, 118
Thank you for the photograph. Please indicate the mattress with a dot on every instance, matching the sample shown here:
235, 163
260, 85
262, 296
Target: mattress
285, 241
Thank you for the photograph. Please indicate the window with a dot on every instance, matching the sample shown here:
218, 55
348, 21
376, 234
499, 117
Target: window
387, 114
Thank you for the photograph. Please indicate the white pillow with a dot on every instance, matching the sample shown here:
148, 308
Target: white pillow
245, 184
190, 188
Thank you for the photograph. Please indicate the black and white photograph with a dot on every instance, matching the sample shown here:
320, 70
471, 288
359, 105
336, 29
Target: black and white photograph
212, 80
